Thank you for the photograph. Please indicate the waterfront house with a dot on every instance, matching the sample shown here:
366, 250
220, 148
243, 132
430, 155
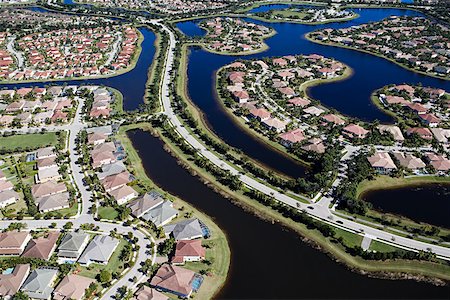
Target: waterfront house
289, 138
275, 124
111, 169
261, 114
161, 214
173, 279
185, 230
334, 119
314, 145
382, 162
13, 242
145, 203
114, 182
188, 251
297, 101
409, 161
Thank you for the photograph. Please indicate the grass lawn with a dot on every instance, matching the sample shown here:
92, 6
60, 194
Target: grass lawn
117, 106
386, 182
114, 264
381, 247
350, 239
27, 141
107, 212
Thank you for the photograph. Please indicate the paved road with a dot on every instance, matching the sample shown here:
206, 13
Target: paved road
13, 51
319, 211
83, 216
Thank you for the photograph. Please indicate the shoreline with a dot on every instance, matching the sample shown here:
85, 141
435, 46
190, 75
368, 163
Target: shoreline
258, 136
396, 269
198, 114
307, 36
264, 47
218, 280
293, 21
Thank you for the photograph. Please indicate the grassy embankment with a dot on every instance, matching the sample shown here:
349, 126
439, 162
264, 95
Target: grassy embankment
307, 36
387, 268
181, 88
219, 253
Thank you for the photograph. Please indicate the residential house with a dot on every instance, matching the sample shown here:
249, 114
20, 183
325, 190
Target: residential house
289, 138
48, 188
355, 131
409, 161
382, 162
13, 242
424, 133
185, 230
173, 279
72, 245
123, 194
111, 169
114, 182
334, 119
48, 174
11, 283
188, 251
147, 293
261, 114
99, 250
8, 197
161, 214
145, 203
275, 124
72, 287
394, 130
42, 247
53, 202
45, 152
39, 284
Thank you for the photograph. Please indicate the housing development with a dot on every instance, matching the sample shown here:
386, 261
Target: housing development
151, 149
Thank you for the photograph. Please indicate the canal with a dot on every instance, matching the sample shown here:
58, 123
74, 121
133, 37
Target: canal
267, 261
350, 96
428, 203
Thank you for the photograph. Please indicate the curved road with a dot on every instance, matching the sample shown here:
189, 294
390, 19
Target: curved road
318, 210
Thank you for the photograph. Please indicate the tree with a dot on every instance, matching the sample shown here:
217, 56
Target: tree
104, 276
68, 226
20, 296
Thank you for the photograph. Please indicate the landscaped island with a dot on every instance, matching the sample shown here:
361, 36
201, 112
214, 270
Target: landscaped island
49, 51
308, 15
270, 97
416, 43
234, 36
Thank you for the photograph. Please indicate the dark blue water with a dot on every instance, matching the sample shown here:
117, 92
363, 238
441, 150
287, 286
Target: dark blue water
131, 84
350, 97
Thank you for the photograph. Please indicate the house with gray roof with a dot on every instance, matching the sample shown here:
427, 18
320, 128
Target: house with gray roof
185, 230
72, 245
53, 202
39, 285
99, 250
145, 203
104, 130
161, 214
111, 169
